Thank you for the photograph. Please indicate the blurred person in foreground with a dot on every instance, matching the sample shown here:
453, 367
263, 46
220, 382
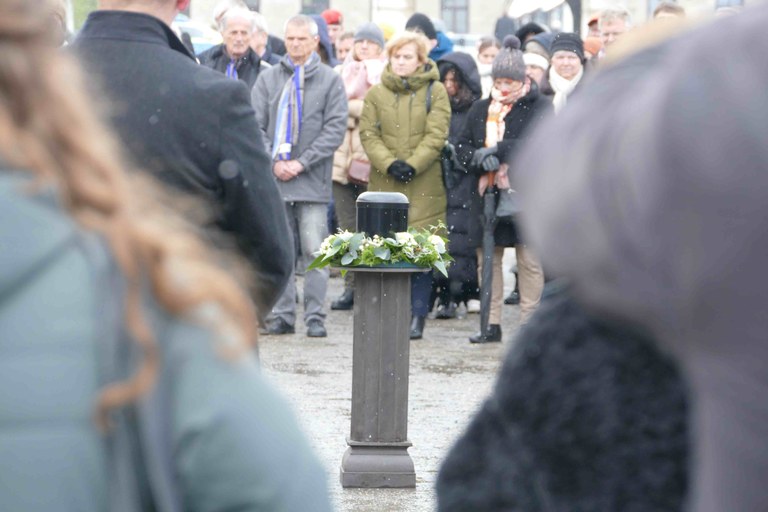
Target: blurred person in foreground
301, 110
234, 57
586, 414
494, 131
189, 126
360, 71
403, 129
128, 376
633, 229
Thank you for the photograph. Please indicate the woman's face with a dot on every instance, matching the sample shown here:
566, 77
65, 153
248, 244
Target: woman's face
508, 87
487, 55
567, 64
535, 73
405, 60
365, 50
451, 83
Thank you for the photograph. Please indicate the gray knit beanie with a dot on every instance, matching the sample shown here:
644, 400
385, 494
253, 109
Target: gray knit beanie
370, 32
509, 62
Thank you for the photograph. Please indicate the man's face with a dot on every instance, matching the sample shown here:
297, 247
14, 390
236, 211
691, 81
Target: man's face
343, 47
334, 31
299, 43
566, 64
237, 36
594, 30
365, 49
612, 30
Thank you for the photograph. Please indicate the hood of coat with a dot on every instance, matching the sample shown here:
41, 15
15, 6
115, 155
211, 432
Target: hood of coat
325, 39
444, 46
33, 232
466, 67
421, 78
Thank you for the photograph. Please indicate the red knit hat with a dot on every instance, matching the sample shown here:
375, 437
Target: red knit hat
332, 17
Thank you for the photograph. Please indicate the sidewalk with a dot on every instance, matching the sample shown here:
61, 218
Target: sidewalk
449, 379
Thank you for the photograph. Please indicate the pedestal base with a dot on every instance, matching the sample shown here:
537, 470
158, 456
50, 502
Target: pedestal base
377, 465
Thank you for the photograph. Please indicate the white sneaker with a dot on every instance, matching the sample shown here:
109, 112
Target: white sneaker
473, 306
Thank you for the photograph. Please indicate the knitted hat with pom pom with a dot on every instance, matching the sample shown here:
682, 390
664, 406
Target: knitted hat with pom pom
509, 62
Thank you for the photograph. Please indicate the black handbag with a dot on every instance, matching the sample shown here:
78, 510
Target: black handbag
508, 205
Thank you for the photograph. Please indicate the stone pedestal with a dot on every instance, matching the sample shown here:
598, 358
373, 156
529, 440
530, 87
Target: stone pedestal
378, 442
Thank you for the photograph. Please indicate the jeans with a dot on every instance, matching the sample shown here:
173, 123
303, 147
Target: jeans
308, 224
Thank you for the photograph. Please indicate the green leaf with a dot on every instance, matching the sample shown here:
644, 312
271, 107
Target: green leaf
439, 265
356, 241
319, 262
347, 259
383, 253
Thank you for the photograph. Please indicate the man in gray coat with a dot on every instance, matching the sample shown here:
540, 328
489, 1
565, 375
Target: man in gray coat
301, 109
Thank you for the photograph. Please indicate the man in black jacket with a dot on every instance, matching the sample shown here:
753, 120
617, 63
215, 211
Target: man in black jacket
191, 127
234, 57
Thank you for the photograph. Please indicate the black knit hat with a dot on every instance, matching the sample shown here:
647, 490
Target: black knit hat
423, 24
509, 62
568, 42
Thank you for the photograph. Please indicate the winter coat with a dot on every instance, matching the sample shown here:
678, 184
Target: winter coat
211, 429
584, 415
323, 125
528, 111
461, 203
659, 219
351, 148
194, 129
443, 47
395, 125
248, 66
361, 75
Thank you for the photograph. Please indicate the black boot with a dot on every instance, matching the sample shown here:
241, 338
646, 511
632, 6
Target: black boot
446, 311
417, 327
345, 301
493, 334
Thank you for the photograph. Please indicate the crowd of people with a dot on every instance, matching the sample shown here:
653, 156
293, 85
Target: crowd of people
158, 204
396, 100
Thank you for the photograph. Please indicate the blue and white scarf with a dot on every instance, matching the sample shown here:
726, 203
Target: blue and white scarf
289, 113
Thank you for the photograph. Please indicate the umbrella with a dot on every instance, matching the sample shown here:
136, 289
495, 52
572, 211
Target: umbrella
489, 244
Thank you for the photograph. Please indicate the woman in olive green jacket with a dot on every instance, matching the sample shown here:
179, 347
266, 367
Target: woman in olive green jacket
403, 133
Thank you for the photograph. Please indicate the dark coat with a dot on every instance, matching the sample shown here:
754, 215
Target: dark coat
584, 416
193, 129
248, 66
461, 205
527, 112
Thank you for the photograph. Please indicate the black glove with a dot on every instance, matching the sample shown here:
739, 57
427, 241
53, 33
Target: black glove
491, 163
401, 171
481, 154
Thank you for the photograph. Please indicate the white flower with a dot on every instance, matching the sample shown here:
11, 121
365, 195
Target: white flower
405, 238
438, 243
346, 236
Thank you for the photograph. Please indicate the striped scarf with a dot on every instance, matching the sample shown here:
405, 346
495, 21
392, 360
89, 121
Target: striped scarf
289, 113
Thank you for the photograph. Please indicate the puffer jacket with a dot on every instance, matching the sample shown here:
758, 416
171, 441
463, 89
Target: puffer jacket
212, 427
395, 125
351, 148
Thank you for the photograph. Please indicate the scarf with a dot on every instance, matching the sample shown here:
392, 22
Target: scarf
289, 113
498, 109
359, 76
232, 69
562, 87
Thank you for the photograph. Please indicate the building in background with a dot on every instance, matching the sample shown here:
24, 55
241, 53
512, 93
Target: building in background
459, 16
